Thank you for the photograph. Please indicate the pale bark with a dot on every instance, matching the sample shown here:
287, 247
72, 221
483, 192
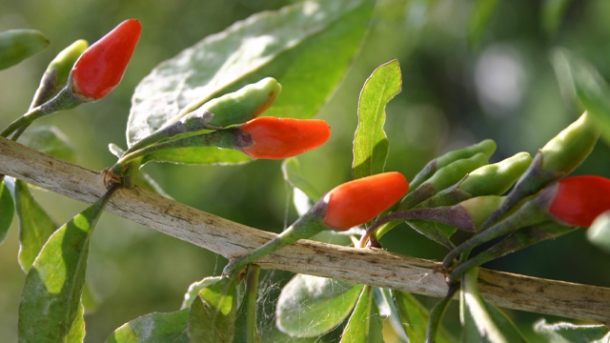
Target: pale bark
367, 266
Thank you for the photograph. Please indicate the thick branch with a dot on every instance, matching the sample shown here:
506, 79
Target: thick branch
366, 266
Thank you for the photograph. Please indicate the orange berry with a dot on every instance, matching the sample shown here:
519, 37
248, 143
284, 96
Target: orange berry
356, 202
101, 67
278, 138
580, 199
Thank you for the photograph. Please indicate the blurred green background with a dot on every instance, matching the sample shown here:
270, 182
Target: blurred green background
461, 84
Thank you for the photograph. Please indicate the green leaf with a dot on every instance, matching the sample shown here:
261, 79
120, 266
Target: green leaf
438, 232
570, 333
578, 77
292, 45
370, 141
291, 169
193, 292
552, 13
51, 141
154, 328
481, 321
481, 14
198, 155
364, 324
309, 306
35, 225
414, 318
7, 209
51, 309
599, 232
213, 313
17, 45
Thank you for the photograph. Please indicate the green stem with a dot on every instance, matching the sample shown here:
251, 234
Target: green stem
529, 214
450, 215
305, 227
229, 138
250, 303
438, 312
23, 121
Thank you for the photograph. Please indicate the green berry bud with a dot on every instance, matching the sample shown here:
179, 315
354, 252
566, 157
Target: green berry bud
443, 178
560, 156
56, 75
486, 147
566, 151
497, 178
17, 45
241, 106
63, 62
479, 209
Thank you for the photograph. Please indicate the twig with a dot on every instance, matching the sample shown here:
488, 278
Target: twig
367, 266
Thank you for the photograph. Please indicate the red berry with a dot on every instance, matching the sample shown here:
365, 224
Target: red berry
278, 138
101, 67
580, 199
356, 202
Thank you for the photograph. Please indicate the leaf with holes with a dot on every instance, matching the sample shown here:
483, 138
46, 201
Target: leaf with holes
370, 141
310, 306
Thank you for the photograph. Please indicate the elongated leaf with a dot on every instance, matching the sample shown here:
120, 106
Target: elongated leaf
364, 325
51, 309
552, 13
7, 209
309, 306
578, 76
292, 174
571, 333
291, 45
414, 318
481, 321
154, 328
481, 14
35, 225
51, 141
17, 45
370, 141
213, 313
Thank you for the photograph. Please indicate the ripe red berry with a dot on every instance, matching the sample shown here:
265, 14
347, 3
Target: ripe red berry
101, 67
580, 199
356, 202
278, 138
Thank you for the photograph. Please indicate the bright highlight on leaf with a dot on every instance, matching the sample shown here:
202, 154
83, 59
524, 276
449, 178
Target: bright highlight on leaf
370, 141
